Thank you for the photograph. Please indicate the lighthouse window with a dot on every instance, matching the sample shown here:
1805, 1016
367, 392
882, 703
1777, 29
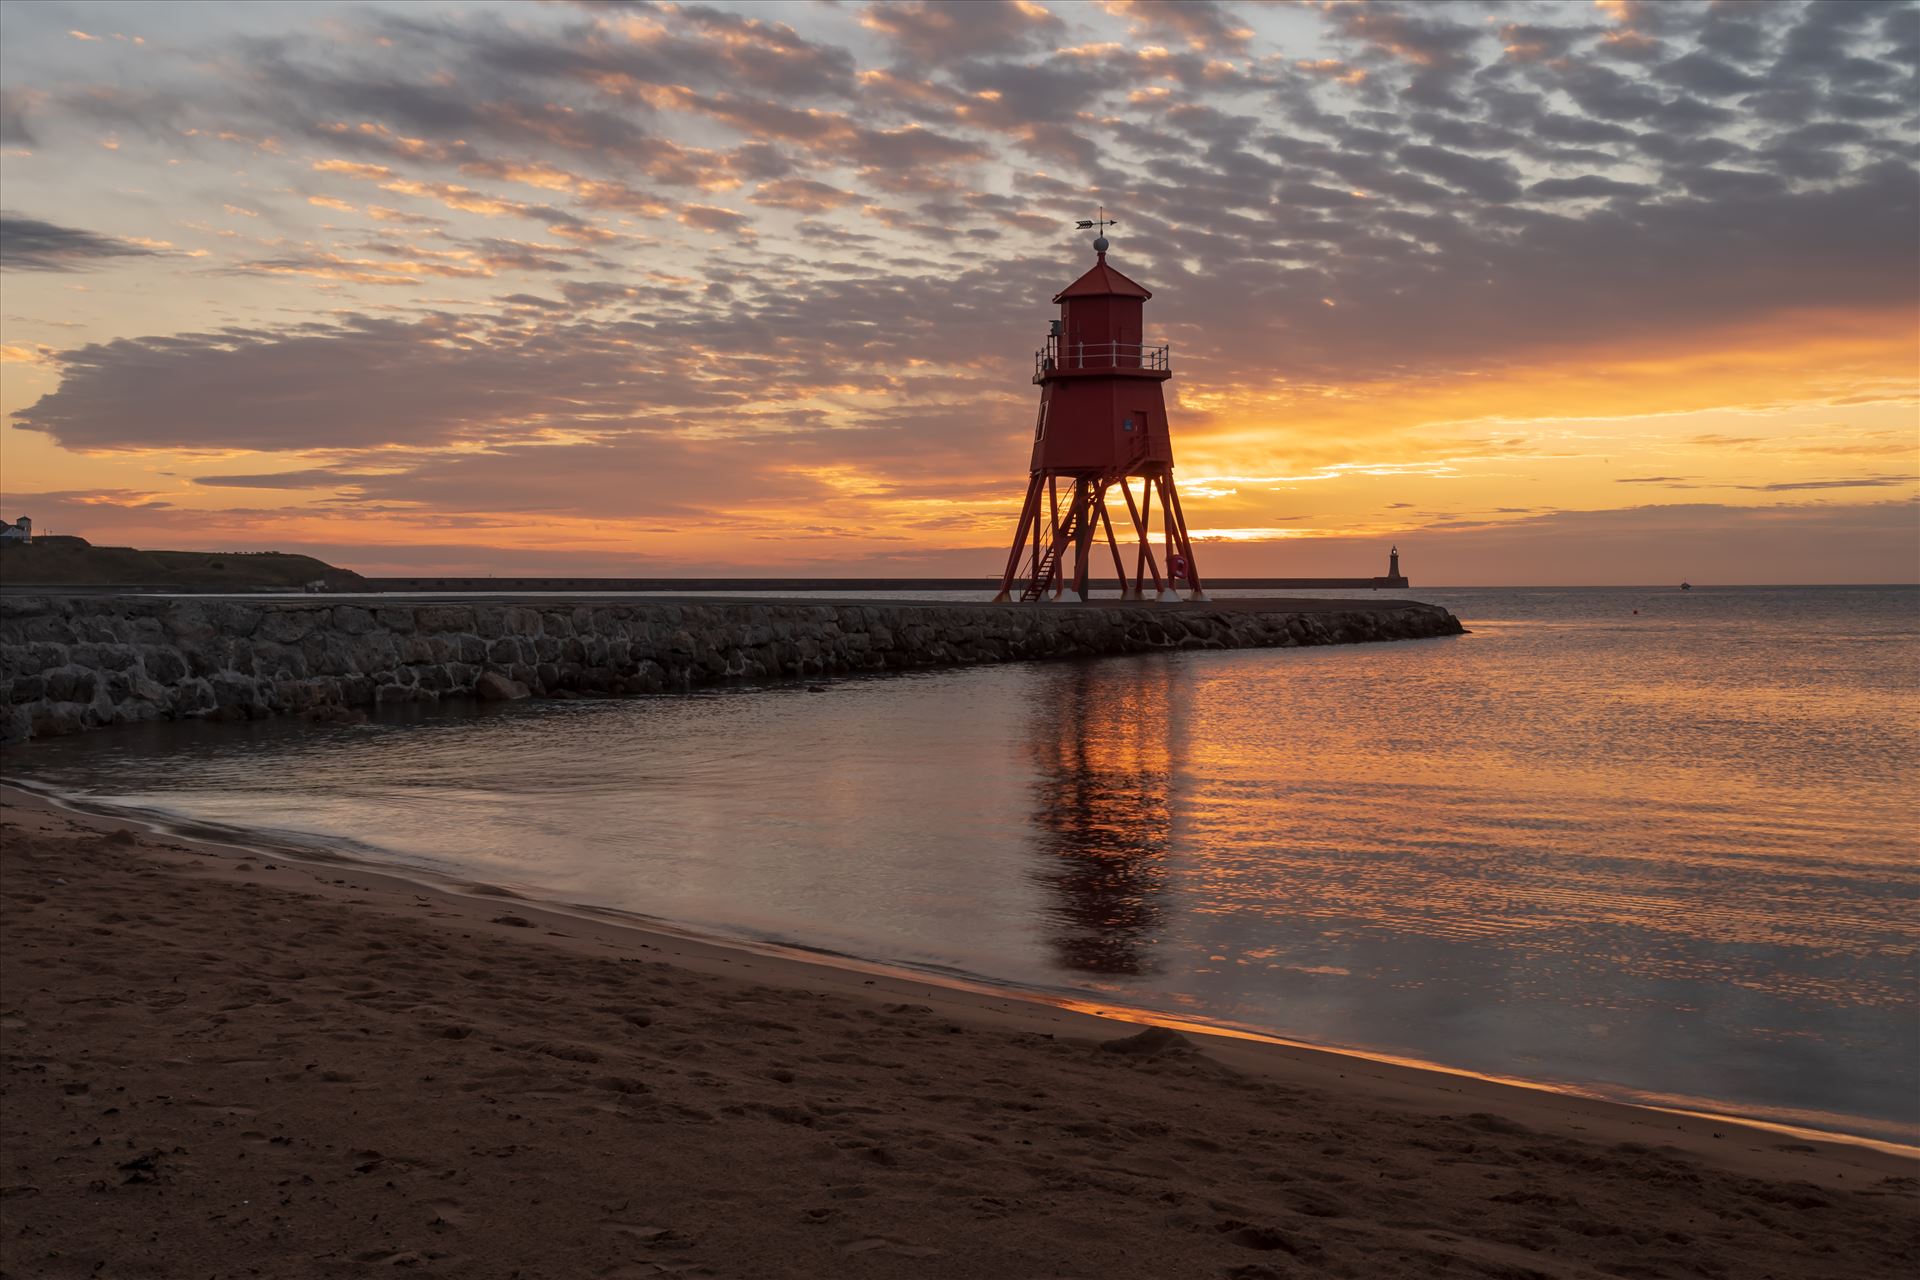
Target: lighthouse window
1127, 425
1040, 428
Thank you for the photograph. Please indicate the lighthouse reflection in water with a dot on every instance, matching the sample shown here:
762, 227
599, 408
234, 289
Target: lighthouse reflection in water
1658, 853
1102, 804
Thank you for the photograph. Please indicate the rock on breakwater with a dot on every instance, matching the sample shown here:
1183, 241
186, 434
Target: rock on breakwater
73, 663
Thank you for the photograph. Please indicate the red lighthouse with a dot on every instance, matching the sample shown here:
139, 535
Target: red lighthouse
1102, 424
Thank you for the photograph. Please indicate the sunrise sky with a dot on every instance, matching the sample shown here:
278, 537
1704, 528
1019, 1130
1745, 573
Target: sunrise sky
1542, 292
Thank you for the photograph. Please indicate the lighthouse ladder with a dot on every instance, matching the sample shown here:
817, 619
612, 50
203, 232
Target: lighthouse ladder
1069, 530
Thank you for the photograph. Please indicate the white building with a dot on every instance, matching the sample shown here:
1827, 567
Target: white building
20, 530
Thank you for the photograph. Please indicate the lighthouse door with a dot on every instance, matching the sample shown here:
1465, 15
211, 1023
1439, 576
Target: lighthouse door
1137, 442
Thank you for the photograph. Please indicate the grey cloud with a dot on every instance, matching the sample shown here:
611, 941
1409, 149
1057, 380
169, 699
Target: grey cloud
28, 244
14, 130
1688, 152
1412, 34
1202, 24
1531, 42
1690, 115
1054, 90
938, 31
1862, 106
1779, 542
311, 478
1701, 73
1556, 127
1729, 185
1901, 28
1491, 180
372, 381
1822, 40
1433, 87
1741, 32
1784, 103
598, 293
802, 193
1467, 135
1606, 93
365, 381
1856, 482
1236, 189
1586, 186
696, 45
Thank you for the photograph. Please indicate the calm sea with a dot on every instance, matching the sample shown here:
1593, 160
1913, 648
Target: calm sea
1655, 845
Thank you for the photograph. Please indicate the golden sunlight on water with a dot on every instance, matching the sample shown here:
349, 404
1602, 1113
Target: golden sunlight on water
1666, 855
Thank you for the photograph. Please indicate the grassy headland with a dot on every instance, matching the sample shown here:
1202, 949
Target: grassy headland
71, 563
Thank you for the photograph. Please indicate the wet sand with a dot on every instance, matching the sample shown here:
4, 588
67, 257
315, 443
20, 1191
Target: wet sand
221, 1063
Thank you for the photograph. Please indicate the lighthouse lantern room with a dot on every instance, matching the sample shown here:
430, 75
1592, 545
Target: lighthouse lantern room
1102, 426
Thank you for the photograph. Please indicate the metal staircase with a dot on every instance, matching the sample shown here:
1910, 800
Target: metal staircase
1043, 577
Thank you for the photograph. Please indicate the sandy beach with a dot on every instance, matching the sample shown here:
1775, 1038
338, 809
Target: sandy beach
220, 1063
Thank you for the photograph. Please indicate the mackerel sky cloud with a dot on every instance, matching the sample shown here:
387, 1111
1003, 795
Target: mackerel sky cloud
1541, 291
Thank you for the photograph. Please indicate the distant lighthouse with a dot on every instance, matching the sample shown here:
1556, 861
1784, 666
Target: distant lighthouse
1102, 424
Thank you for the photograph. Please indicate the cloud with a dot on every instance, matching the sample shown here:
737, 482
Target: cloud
804, 194
807, 247
936, 31
707, 217
309, 478
362, 383
1702, 542
1586, 186
1699, 72
1492, 180
28, 244
1856, 482
1203, 25
1419, 35
14, 108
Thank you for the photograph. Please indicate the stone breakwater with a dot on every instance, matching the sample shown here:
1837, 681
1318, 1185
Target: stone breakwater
73, 663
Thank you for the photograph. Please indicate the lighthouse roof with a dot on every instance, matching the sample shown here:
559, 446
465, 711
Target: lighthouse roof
1102, 282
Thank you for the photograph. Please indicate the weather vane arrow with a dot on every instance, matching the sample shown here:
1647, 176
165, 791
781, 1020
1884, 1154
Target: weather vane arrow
1102, 222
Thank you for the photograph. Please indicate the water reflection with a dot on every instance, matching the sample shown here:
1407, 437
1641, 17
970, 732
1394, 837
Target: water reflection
1103, 768
1662, 853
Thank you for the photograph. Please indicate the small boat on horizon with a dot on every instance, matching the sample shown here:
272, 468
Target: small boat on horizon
1686, 586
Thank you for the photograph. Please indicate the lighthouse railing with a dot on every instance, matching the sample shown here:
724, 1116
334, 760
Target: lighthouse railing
1063, 354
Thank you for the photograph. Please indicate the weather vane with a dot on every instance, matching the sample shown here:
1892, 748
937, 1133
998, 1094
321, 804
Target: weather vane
1102, 222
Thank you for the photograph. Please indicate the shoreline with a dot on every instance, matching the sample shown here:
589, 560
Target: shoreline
313, 1068
811, 968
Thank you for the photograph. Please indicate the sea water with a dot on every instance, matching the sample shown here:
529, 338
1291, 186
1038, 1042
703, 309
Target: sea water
1652, 844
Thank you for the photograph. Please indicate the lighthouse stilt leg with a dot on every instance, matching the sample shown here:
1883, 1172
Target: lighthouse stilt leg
1186, 543
1169, 592
1142, 519
1029, 512
1130, 587
1113, 543
1082, 536
1050, 590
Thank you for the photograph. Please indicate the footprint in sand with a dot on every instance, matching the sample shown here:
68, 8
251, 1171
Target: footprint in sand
645, 1233
881, 1244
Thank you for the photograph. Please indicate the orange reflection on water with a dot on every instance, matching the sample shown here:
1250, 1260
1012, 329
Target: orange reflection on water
1102, 772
